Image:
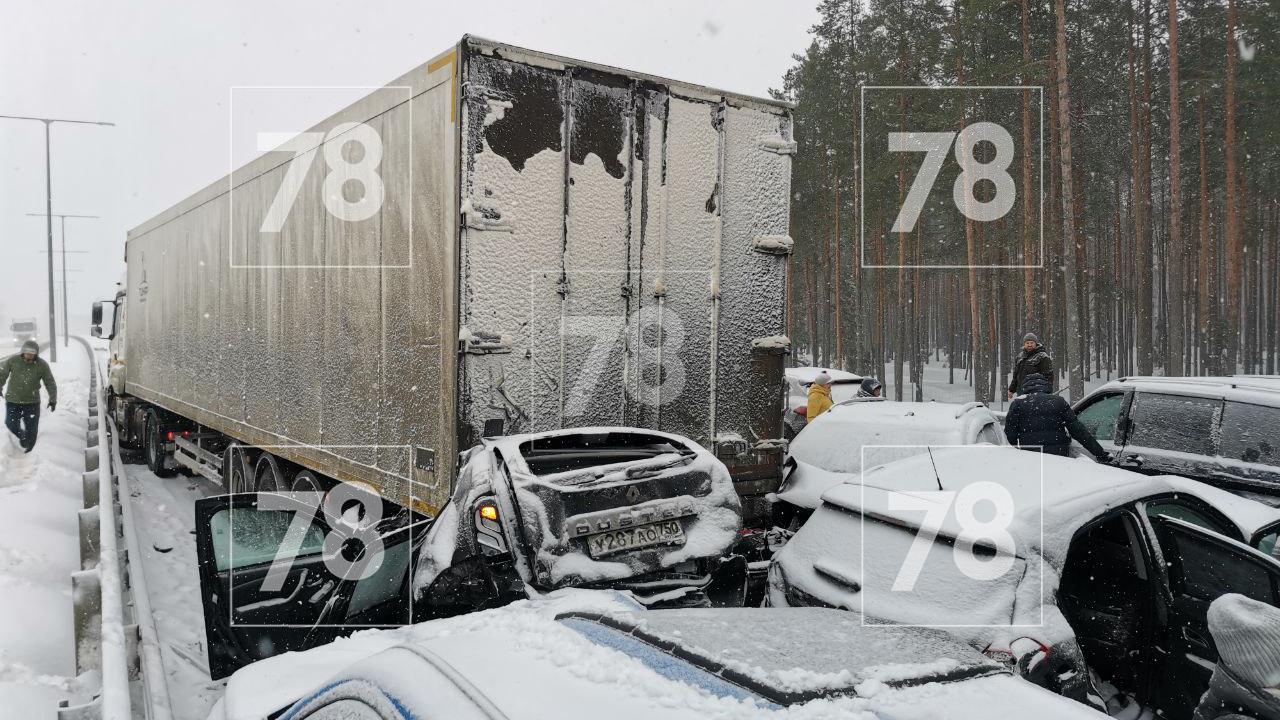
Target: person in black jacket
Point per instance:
(1032, 359)
(1039, 418)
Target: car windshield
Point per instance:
(23, 327)
(563, 453)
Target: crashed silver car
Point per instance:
(636, 510)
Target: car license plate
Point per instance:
(660, 533)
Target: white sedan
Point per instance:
(578, 655)
(1062, 565)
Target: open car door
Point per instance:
(293, 570)
(1201, 567)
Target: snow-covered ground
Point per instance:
(39, 549)
(937, 387)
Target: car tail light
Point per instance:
(170, 435)
(489, 533)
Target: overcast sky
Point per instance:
(162, 71)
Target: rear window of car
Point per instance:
(1181, 423)
(563, 453)
(1251, 433)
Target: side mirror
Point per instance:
(96, 320)
(96, 331)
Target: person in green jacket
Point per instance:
(23, 373)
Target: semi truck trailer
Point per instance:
(23, 329)
(500, 243)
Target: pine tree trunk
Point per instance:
(1028, 242)
(1204, 312)
(1176, 320)
(1144, 259)
(1074, 378)
(1234, 252)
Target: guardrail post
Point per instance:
(86, 599)
(90, 459)
(90, 534)
(89, 482)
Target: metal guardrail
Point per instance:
(115, 633)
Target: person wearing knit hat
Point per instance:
(1032, 359)
(24, 373)
(819, 396)
(1247, 676)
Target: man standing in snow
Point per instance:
(819, 396)
(1044, 420)
(24, 372)
(1032, 359)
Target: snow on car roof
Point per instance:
(806, 374)
(1262, 389)
(1056, 497)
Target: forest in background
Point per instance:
(1161, 126)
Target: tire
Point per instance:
(235, 469)
(153, 447)
(307, 481)
(267, 476)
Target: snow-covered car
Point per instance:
(1081, 567)
(1224, 431)
(832, 448)
(572, 656)
(649, 512)
(844, 386)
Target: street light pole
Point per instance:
(66, 334)
(48, 206)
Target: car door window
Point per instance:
(1100, 416)
(1179, 510)
(1251, 433)
(1203, 568)
(1174, 422)
(257, 538)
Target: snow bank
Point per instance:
(39, 549)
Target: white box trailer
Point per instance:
(541, 243)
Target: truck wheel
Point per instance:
(307, 481)
(235, 468)
(154, 445)
(267, 476)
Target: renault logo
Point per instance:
(633, 493)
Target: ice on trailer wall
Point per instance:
(753, 206)
(595, 254)
(512, 198)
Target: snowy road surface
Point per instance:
(40, 494)
(164, 518)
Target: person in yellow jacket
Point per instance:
(819, 396)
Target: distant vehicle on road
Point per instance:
(830, 450)
(1084, 567)
(1224, 431)
(576, 657)
(22, 330)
